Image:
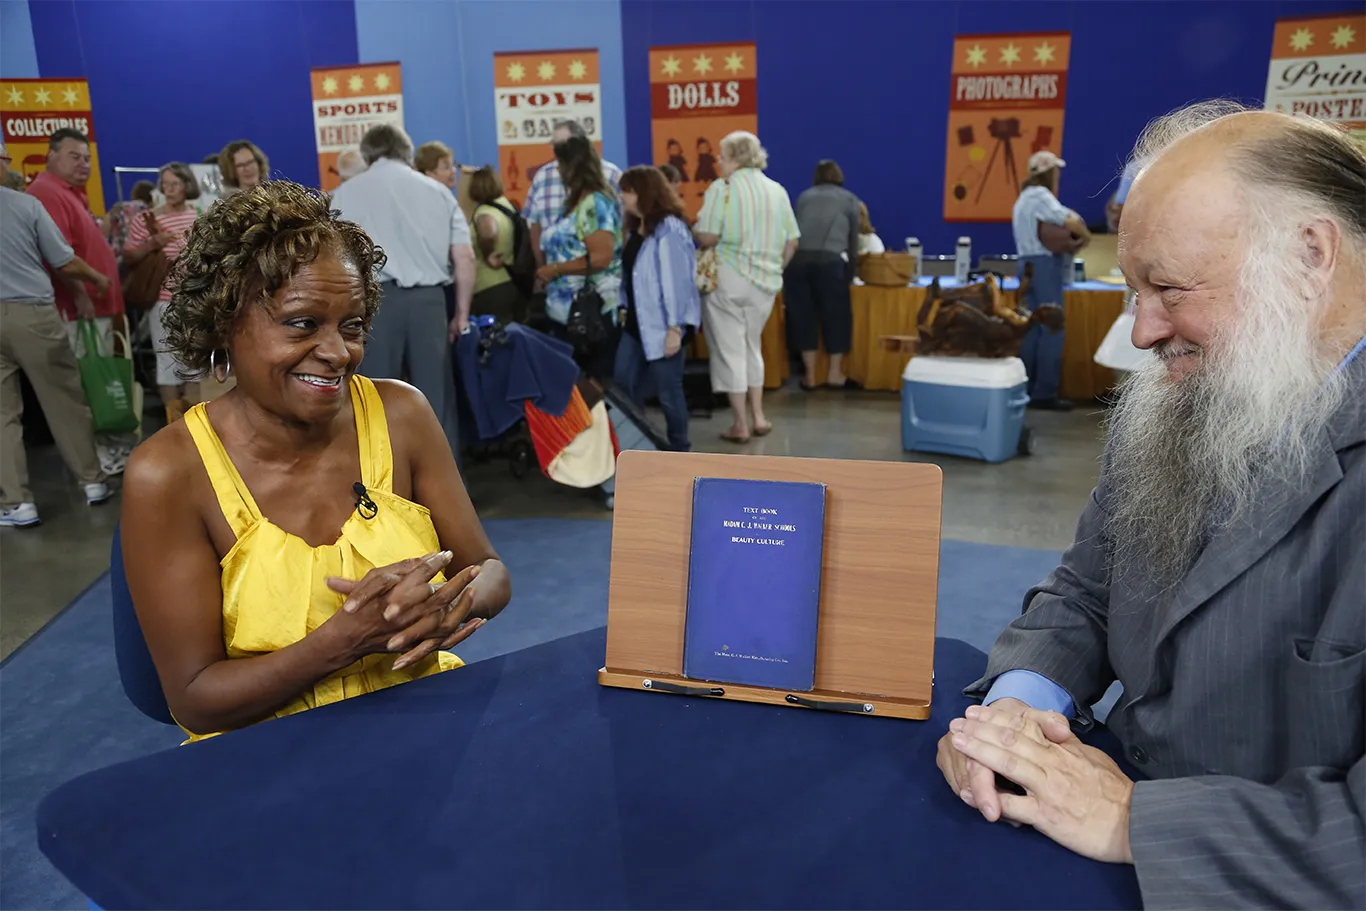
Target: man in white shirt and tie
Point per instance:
(427, 240)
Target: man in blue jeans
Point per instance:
(1047, 233)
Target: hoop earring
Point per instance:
(213, 366)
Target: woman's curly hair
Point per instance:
(243, 250)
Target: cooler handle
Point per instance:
(1021, 402)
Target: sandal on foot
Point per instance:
(763, 431)
(732, 438)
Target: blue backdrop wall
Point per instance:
(867, 84)
(18, 59)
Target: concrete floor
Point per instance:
(1026, 502)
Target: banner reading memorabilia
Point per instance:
(347, 101)
(532, 90)
(31, 110)
(698, 94)
(1318, 68)
(1007, 101)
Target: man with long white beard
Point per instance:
(1219, 569)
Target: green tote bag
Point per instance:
(108, 384)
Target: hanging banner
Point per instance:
(1318, 68)
(698, 94)
(532, 90)
(1006, 103)
(347, 101)
(31, 110)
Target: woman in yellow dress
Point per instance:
(306, 537)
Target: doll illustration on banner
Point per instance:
(706, 162)
(677, 159)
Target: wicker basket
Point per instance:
(888, 270)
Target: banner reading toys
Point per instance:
(532, 90)
(1008, 95)
(31, 110)
(347, 101)
(1318, 68)
(698, 94)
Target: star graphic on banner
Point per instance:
(1043, 53)
(69, 95)
(735, 63)
(42, 96)
(329, 85)
(546, 71)
(355, 83)
(516, 72)
(1010, 54)
(701, 64)
(1343, 35)
(577, 69)
(382, 81)
(670, 66)
(15, 96)
(977, 56)
(1301, 39)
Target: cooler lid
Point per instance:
(975, 372)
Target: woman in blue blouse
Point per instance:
(660, 305)
(584, 244)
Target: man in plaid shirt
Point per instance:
(545, 199)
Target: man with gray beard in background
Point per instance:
(1219, 569)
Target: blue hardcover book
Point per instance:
(754, 582)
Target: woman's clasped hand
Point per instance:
(397, 609)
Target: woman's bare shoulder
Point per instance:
(162, 464)
(401, 400)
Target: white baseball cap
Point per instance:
(1044, 161)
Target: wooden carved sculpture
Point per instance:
(977, 320)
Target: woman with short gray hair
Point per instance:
(748, 219)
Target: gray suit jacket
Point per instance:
(1243, 699)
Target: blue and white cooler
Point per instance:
(965, 406)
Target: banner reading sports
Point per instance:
(532, 90)
(1318, 68)
(347, 101)
(31, 110)
(1007, 102)
(698, 94)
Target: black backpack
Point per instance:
(523, 265)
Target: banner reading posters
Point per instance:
(31, 110)
(532, 90)
(347, 101)
(698, 94)
(1318, 68)
(1007, 103)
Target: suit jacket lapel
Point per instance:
(1233, 550)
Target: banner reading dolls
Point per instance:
(31, 110)
(1318, 68)
(698, 94)
(347, 101)
(532, 90)
(1007, 101)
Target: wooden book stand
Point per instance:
(879, 579)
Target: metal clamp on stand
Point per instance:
(683, 690)
(858, 708)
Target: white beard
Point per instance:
(1191, 457)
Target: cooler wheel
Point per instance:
(520, 459)
(1026, 441)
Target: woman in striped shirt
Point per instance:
(165, 228)
(748, 219)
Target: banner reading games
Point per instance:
(698, 94)
(1318, 67)
(532, 90)
(31, 110)
(1008, 95)
(347, 101)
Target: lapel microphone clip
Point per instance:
(364, 505)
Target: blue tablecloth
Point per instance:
(1012, 283)
(518, 782)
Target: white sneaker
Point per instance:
(112, 459)
(19, 516)
(97, 493)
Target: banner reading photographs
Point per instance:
(347, 101)
(1318, 68)
(698, 94)
(532, 90)
(31, 110)
(1008, 95)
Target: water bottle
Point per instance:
(962, 260)
(1078, 271)
(917, 253)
